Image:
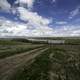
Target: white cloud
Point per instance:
(10, 28)
(67, 31)
(4, 5)
(61, 22)
(74, 12)
(28, 2)
(36, 25)
(32, 17)
(35, 20)
(53, 1)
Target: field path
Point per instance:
(9, 65)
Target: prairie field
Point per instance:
(21, 59)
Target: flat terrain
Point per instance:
(9, 64)
(30, 61)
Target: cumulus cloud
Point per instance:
(36, 25)
(67, 31)
(28, 2)
(32, 17)
(10, 28)
(4, 5)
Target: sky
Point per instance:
(39, 18)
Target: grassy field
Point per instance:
(58, 62)
(12, 47)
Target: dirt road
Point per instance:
(10, 64)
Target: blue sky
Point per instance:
(56, 14)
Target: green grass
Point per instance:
(62, 60)
(37, 70)
(63, 64)
(16, 50)
(9, 42)
(12, 47)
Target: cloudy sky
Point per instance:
(39, 17)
